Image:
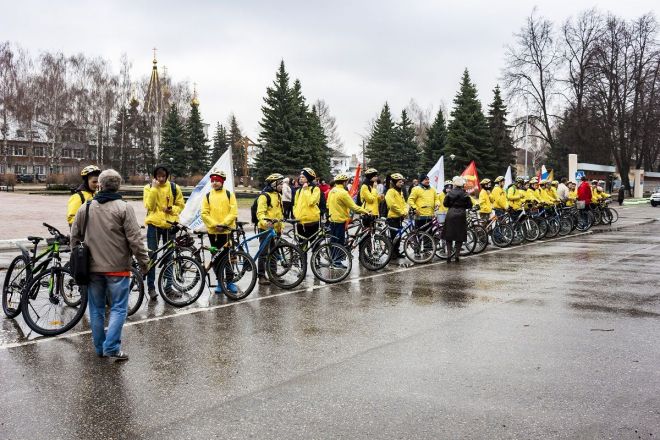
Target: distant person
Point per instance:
(287, 198)
(114, 238)
(562, 190)
(584, 191)
(455, 231)
(84, 192)
(622, 194)
(306, 203)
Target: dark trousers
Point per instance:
(453, 246)
(307, 230)
(219, 241)
(154, 237)
(421, 221)
(286, 209)
(338, 233)
(261, 262)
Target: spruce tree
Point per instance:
(278, 136)
(434, 147)
(301, 153)
(141, 155)
(196, 141)
(500, 135)
(173, 148)
(406, 155)
(120, 141)
(317, 143)
(220, 143)
(468, 137)
(237, 151)
(379, 149)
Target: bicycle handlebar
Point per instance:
(53, 230)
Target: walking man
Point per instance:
(113, 237)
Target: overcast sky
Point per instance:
(355, 55)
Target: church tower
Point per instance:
(154, 106)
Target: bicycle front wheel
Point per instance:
(286, 265)
(502, 235)
(238, 274)
(469, 244)
(481, 238)
(43, 305)
(613, 213)
(331, 262)
(181, 281)
(419, 247)
(553, 228)
(565, 225)
(17, 278)
(136, 294)
(375, 252)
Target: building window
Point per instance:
(19, 150)
(78, 154)
(20, 133)
(20, 169)
(92, 154)
(39, 151)
(40, 169)
(67, 170)
(66, 152)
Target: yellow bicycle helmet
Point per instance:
(498, 179)
(310, 171)
(519, 179)
(341, 177)
(90, 169)
(448, 182)
(484, 182)
(218, 172)
(274, 177)
(370, 171)
(397, 176)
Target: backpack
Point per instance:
(253, 208)
(173, 188)
(323, 207)
(208, 196)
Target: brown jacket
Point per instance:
(113, 235)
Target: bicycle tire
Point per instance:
(440, 247)
(598, 217)
(585, 220)
(243, 272)
(469, 244)
(518, 234)
(136, 292)
(419, 247)
(282, 259)
(481, 239)
(179, 294)
(614, 213)
(531, 230)
(323, 262)
(12, 288)
(502, 235)
(606, 217)
(553, 228)
(543, 228)
(375, 256)
(63, 284)
(565, 225)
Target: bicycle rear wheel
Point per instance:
(419, 247)
(530, 230)
(136, 294)
(565, 225)
(286, 265)
(614, 214)
(542, 226)
(238, 274)
(469, 244)
(481, 236)
(43, 306)
(331, 262)
(606, 218)
(17, 278)
(553, 228)
(375, 252)
(181, 281)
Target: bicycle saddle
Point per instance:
(35, 239)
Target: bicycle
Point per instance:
(52, 303)
(501, 234)
(26, 266)
(524, 227)
(324, 253)
(374, 248)
(285, 262)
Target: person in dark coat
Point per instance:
(455, 230)
(622, 194)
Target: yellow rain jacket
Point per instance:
(549, 196)
(485, 206)
(340, 204)
(219, 210)
(553, 192)
(530, 196)
(306, 205)
(423, 200)
(369, 197)
(498, 198)
(515, 196)
(440, 201)
(157, 199)
(75, 203)
(272, 211)
(572, 197)
(396, 205)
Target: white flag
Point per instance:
(508, 180)
(437, 174)
(191, 215)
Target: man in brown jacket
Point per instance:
(113, 237)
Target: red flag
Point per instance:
(471, 178)
(356, 182)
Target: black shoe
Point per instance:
(448, 260)
(153, 296)
(264, 281)
(117, 357)
(456, 258)
(101, 355)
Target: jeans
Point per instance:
(219, 241)
(154, 237)
(261, 261)
(338, 235)
(116, 289)
(421, 221)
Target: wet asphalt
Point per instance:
(548, 340)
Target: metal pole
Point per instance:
(526, 131)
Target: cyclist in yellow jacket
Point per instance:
(424, 200)
(572, 194)
(396, 204)
(84, 193)
(530, 191)
(485, 204)
(498, 197)
(369, 197)
(306, 204)
(269, 207)
(515, 195)
(340, 205)
(219, 213)
(163, 200)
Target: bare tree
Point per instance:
(329, 124)
(422, 117)
(7, 95)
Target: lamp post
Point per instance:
(453, 165)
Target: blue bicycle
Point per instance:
(283, 263)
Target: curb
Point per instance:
(618, 228)
(6, 245)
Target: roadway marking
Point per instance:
(187, 312)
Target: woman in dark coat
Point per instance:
(622, 194)
(455, 230)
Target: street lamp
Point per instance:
(453, 165)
